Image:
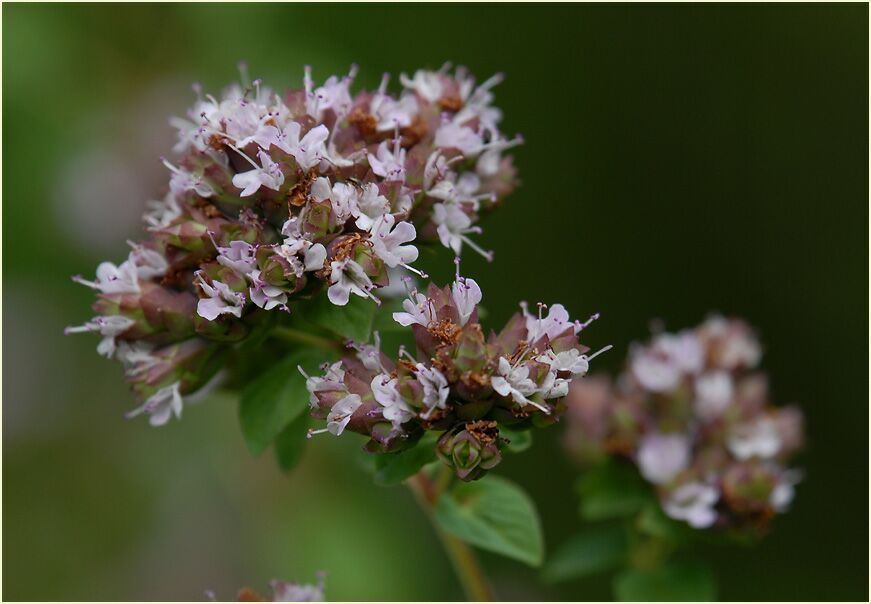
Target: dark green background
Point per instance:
(679, 159)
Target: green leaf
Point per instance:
(653, 521)
(275, 398)
(676, 581)
(352, 321)
(493, 514)
(393, 468)
(613, 489)
(597, 549)
(383, 321)
(519, 440)
(290, 442)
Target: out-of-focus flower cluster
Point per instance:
(277, 197)
(462, 382)
(283, 591)
(693, 414)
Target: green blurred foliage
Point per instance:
(679, 159)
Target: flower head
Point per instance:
(697, 423)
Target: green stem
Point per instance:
(462, 557)
(300, 337)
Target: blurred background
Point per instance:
(679, 160)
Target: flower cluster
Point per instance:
(276, 197)
(461, 383)
(282, 591)
(693, 415)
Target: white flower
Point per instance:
(435, 388)
(136, 358)
(348, 277)
(693, 503)
(555, 324)
(396, 410)
(451, 135)
(736, 344)
(466, 295)
(489, 161)
(307, 152)
(553, 386)
(568, 360)
(314, 257)
(239, 256)
(419, 310)
(268, 175)
(453, 224)
(183, 181)
(427, 84)
(435, 169)
(784, 491)
(333, 379)
(714, 393)
(111, 279)
(654, 372)
(161, 405)
(342, 196)
(661, 457)
(391, 113)
(389, 165)
(685, 350)
(459, 189)
(387, 241)
(282, 591)
(661, 366)
(264, 295)
(109, 327)
(759, 438)
(341, 413)
(370, 206)
(515, 382)
(220, 300)
(160, 214)
(334, 94)
(149, 263)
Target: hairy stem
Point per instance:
(462, 557)
(289, 334)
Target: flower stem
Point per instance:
(300, 337)
(462, 557)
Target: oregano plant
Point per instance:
(280, 264)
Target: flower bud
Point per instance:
(471, 450)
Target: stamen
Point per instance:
(539, 406)
(243, 74)
(418, 272)
(404, 353)
(382, 88)
(584, 325)
(83, 281)
(487, 255)
(396, 142)
(600, 351)
(311, 432)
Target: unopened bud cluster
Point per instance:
(274, 198)
(463, 383)
(693, 414)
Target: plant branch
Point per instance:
(462, 557)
